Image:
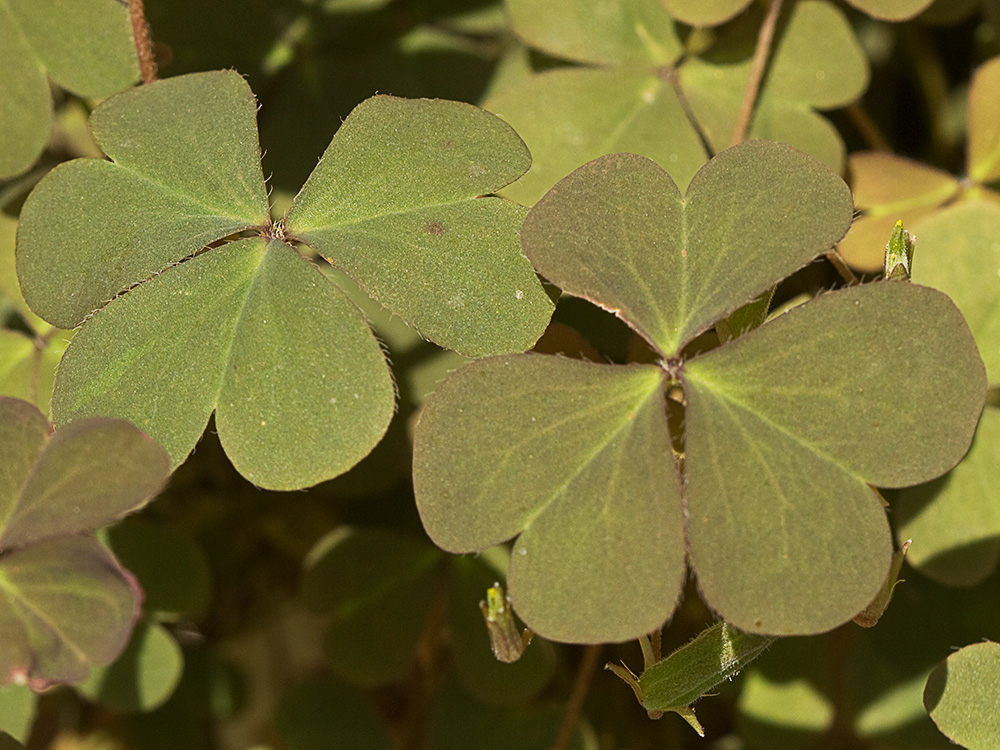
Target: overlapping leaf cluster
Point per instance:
(955, 520)
(65, 602)
(785, 427)
(640, 89)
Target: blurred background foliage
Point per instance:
(325, 618)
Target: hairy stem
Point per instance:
(143, 48)
(757, 68)
(583, 679)
(840, 265)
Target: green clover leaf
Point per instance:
(575, 458)
(183, 313)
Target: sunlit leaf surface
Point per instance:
(954, 521)
(889, 188)
(961, 696)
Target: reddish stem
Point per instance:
(583, 679)
(143, 48)
(757, 67)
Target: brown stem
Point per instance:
(143, 48)
(867, 127)
(757, 67)
(575, 704)
(670, 76)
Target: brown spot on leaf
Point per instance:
(435, 227)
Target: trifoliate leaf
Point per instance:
(65, 602)
(817, 63)
(785, 426)
(569, 116)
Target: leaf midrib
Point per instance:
(16, 599)
(303, 234)
(729, 400)
(584, 463)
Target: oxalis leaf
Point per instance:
(84, 46)
(817, 63)
(621, 99)
(785, 426)
(247, 329)
(65, 602)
